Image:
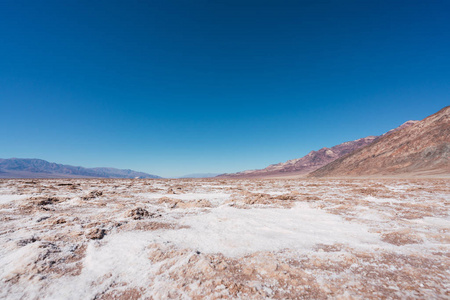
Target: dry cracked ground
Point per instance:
(247, 239)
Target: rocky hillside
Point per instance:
(313, 160)
(38, 168)
(420, 149)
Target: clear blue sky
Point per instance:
(177, 87)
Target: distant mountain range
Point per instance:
(38, 168)
(313, 160)
(421, 149)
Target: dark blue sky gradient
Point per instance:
(176, 87)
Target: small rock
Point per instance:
(46, 201)
(95, 234)
(25, 242)
(42, 219)
(92, 195)
(59, 221)
(221, 266)
(138, 213)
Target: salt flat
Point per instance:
(211, 238)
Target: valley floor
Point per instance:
(213, 238)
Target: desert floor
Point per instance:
(248, 239)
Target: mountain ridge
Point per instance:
(422, 149)
(39, 168)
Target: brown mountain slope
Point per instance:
(312, 161)
(420, 149)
